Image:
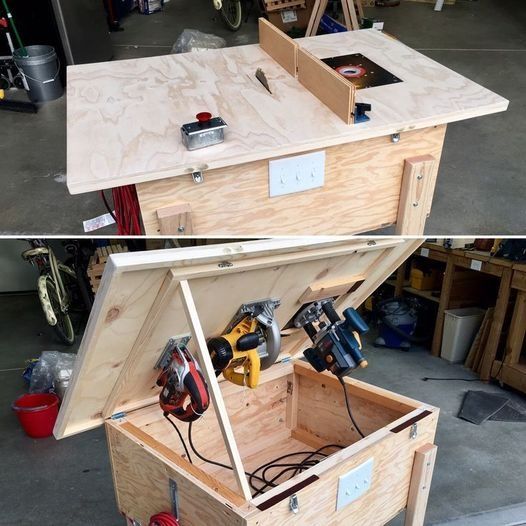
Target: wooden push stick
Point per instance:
(279, 46)
(415, 194)
(215, 391)
(420, 485)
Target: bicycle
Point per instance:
(231, 13)
(60, 285)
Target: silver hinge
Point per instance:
(198, 177)
(413, 431)
(293, 504)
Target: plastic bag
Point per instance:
(193, 40)
(52, 368)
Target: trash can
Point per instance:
(41, 68)
(460, 329)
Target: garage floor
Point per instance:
(68, 483)
(481, 185)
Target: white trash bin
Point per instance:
(460, 329)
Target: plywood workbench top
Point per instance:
(124, 117)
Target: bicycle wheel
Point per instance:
(64, 327)
(231, 14)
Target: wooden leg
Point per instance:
(317, 12)
(445, 294)
(400, 280)
(490, 352)
(415, 195)
(213, 386)
(420, 485)
(359, 6)
(349, 14)
(517, 330)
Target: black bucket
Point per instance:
(41, 69)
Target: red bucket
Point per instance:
(37, 413)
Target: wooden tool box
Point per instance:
(124, 120)
(146, 298)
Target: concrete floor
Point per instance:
(481, 185)
(68, 482)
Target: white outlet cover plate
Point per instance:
(296, 174)
(354, 484)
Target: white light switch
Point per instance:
(296, 174)
(354, 484)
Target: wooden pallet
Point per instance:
(98, 262)
(280, 5)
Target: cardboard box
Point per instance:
(292, 19)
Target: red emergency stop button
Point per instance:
(204, 116)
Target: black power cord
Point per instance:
(165, 414)
(295, 468)
(349, 409)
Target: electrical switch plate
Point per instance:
(296, 174)
(354, 484)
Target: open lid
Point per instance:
(138, 307)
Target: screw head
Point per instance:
(415, 204)
(180, 228)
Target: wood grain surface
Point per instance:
(132, 309)
(124, 117)
(361, 192)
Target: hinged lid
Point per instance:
(138, 308)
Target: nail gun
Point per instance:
(181, 379)
(336, 344)
(252, 341)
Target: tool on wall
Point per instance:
(252, 341)
(181, 381)
(337, 344)
(206, 131)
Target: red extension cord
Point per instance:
(127, 211)
(163, 519)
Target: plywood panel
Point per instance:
(393, 461)
(221, 278)
(209, 294)
(361, 190)
(142, 486)
(124, 117)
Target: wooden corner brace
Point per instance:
(416, 193)
(420, 485)
(215, 391)
(175, 220)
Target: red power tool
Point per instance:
(182, 380)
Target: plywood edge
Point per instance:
(206, 482)
(279, 46)
(360, 389)
(326, 85)
(193, 262)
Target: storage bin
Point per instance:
(460, 328)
